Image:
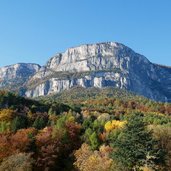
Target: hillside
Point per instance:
(96, 129)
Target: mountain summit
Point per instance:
(100, 65)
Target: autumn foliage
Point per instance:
(89, 133)
(114, 124)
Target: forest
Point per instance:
(84, 130)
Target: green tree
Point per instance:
(4, 126)
(94, 141)
(51, 111)
(134, 146)
(39, 123)
(87, 134)
(18, 122)
(88, 122)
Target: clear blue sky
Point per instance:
(34, 30)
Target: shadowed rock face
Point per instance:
(94, 65)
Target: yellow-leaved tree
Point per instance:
(7, 115)
(114, 124)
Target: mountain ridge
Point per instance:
(106, 64)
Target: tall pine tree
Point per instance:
(135, 147)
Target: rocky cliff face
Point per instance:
(100, 65)
(13, 77)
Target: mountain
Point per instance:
(98, 65)
(13, 77)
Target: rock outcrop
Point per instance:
(13, 77)
(96, 65)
